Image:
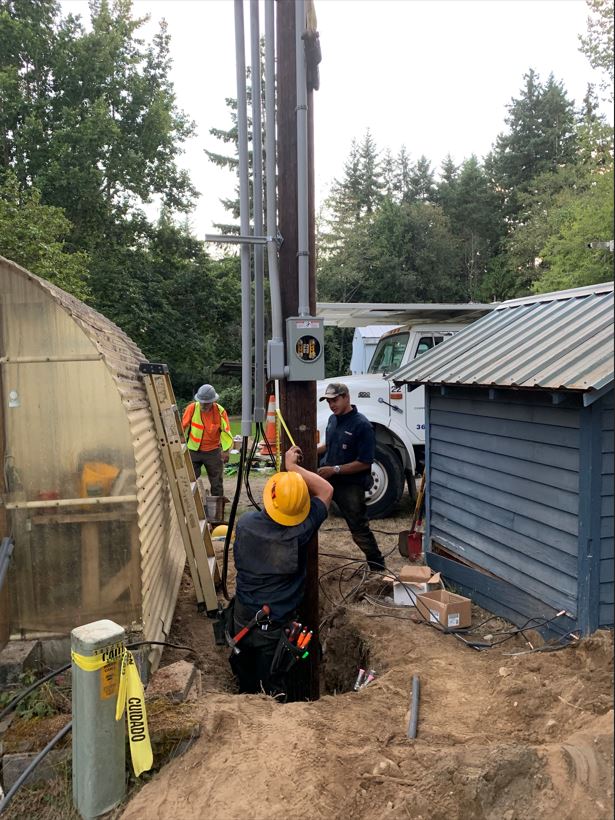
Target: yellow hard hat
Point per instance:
(287, 499)
(219, 531)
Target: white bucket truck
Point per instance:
(397, 414)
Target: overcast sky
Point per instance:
(434, 75)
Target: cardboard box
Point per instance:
(413, 581)
(417, 574)
(445, 608)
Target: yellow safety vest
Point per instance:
(195, 434)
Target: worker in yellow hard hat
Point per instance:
(270, 552)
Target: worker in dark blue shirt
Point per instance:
(349, 450)
(270, 552)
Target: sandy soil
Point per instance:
(500, 737)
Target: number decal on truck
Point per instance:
(420, 426)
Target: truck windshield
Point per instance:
(389, 353)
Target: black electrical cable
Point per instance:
(344, 598)
(460, 634)
(248, 465)
(65, 729)
(34, 763)
(267, 445)
(161, 643)
(231, 520)
(18, 698)
(571, 637)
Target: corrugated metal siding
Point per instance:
(558, 344)
(162, 554)
(606, 516)
(504, 481)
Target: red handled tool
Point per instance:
(261, 617)
(296, 629)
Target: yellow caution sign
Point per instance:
(130, 698)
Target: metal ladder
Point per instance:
(183, 485)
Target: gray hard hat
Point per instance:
(206, 394)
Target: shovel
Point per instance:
(410, 541)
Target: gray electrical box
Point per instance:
(305, 339)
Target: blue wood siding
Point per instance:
(606, 512)
(504, 487)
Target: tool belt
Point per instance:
(286, 655)
(242, 615)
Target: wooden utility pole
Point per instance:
(298, 399)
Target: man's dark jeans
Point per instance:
(214, 467)
(350, 498)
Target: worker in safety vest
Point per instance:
(208, 432)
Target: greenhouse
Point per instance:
(84, 492)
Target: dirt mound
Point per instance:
(500, 735)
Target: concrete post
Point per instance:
(99, 746)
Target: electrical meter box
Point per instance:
(305, 337)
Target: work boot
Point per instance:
(377, 564)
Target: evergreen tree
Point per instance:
(412, 253)
(370, 175)
(474, 210)
(559, 199)
(422, 185)
(402, 177)
(353, 199)
(446, 189)
(540, 138)
(388, 174)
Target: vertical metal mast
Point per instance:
(244, 221)
(303, 251)
(257, 206)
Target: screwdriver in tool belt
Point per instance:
(296, 627)
(305, 640)
(302, 637)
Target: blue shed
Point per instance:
(519, 458)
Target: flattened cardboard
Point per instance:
(417, 574)
(445, 608)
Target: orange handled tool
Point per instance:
(305, 640)
(260, 616)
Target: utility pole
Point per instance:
(298, 399)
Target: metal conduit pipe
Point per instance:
(270, 169)
(303, 250)
(244, 221)
(414, 707)
(6, 550)
(257, 210)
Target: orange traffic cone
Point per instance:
(268, 446)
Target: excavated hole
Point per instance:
(344, 652)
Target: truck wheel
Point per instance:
(388, 484)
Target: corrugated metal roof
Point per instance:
(356, 314)
(555, 341)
